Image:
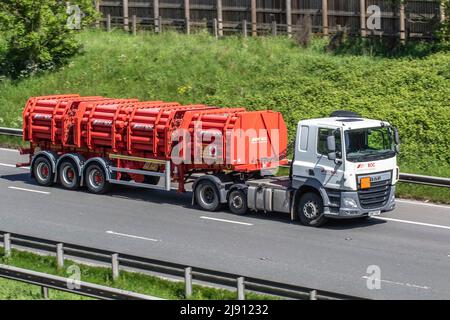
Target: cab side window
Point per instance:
(322, 141)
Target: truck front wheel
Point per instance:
(237, 202)
(207, 195)
(310, 210)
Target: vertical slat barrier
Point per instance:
(219, 18)
(362, 10)
(325, 17)
(60, 255)
(188, 282)
(402, 22)
(134, 24)
(97, 9)
(253, 9)
(156, 15)
(108, 22)
(313, 295)
(7, 244)
(241, 288)
(187, 16)
(125, 15)
(115, 266)
(289, 18)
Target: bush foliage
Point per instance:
(36, 35)
(262, 73)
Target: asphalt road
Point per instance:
(411, 245)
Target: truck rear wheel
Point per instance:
(68, 175)
(207, 195)
(237, 202)
(42, 171)
(310, 210)
(96, 180)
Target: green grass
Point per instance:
(131, 281)
(263, 73)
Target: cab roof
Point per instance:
(345, 122)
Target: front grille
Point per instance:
(376, 196)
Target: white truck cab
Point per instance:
(344, 166)
(351, 161)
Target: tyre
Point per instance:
(96, 180)
(207, 195)
(42, 171)
(237, 202)
(310, 210)
(68, 175)
(154, 180)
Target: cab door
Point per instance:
(329, 172)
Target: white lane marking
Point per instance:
(10, 150)
(29, 190)
(422, 203)
(229, 221)
(131, 236)
(402, 284)
(414, 222)
(13, 166)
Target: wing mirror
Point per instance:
(396, 140)
(331, 143)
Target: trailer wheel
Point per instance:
(42, 171)
(237, 202)
(207, 196)
(68, 175)
(95, 179)
(310, 210)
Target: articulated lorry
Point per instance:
(344, 166)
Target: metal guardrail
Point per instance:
(48, 281)
(11, 132)
(189, 273)
(404, 177)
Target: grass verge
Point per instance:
(131, 281)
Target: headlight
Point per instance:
(349, 203)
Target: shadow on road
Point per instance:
(185, 199)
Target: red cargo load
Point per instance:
(230, 138)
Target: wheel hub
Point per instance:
(310, 210)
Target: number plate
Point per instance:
(374, 213)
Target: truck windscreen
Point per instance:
(369, 144)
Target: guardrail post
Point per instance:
(241, 288)
(60, 255)
(244, 28)
(253, 14)
(97, 9)
(188, 282)
(215, 32)
(312, 295)
(115, 265)
(219, 18)
(7, 244)
(274, 28)
(187, 16)
(44, 293)
(160, 25)
(125, 15)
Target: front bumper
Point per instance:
(344, 212)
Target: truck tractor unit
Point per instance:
(344, 166)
